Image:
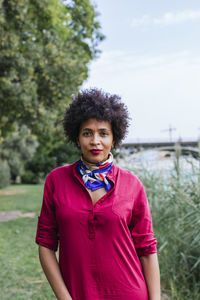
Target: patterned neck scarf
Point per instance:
(94, 175)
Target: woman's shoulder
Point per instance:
(128, 176)
(65, 170)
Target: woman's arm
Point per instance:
(152, 275)
(51, 269)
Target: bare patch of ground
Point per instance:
(11, 192)
(14, 214)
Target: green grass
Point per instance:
(26, 198)
(21, 276)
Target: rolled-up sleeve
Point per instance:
(141, 225)
(47, 228)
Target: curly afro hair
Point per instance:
(94, 103)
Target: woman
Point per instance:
(97, 212)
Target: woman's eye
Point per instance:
(86, 133)
(104, 133)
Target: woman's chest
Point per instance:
(80, 205)
(97, 195)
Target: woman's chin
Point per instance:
(93, 159)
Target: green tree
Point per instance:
(45, 50)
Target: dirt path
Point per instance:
(11, 192)
(14, 214)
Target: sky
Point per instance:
(151, 58)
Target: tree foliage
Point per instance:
(45, 49)
(52, 153)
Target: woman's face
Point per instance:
(95, 139)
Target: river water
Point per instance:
(157, 161)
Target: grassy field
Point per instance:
(21, 277)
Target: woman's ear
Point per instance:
(77, 142)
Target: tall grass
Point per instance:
(175, 206)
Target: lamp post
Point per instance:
(170, 130)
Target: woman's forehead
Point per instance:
(96, 124)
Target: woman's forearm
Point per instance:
(152, 275)
(51, 269)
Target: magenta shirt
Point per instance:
(99, 245)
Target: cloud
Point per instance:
(169, 18)
(179, 17)
(144, 20)
(120, 61)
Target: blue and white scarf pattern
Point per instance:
(94, 175)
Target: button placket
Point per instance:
(91, 225)
(91, 216)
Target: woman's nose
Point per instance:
(95, 139)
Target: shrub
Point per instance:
(4, 174)
(43, 162)
(18, 148)
(31, 178)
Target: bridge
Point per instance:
(187, 147)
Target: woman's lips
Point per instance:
(95, 151)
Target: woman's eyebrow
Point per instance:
(88, 129)
(106, 129)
